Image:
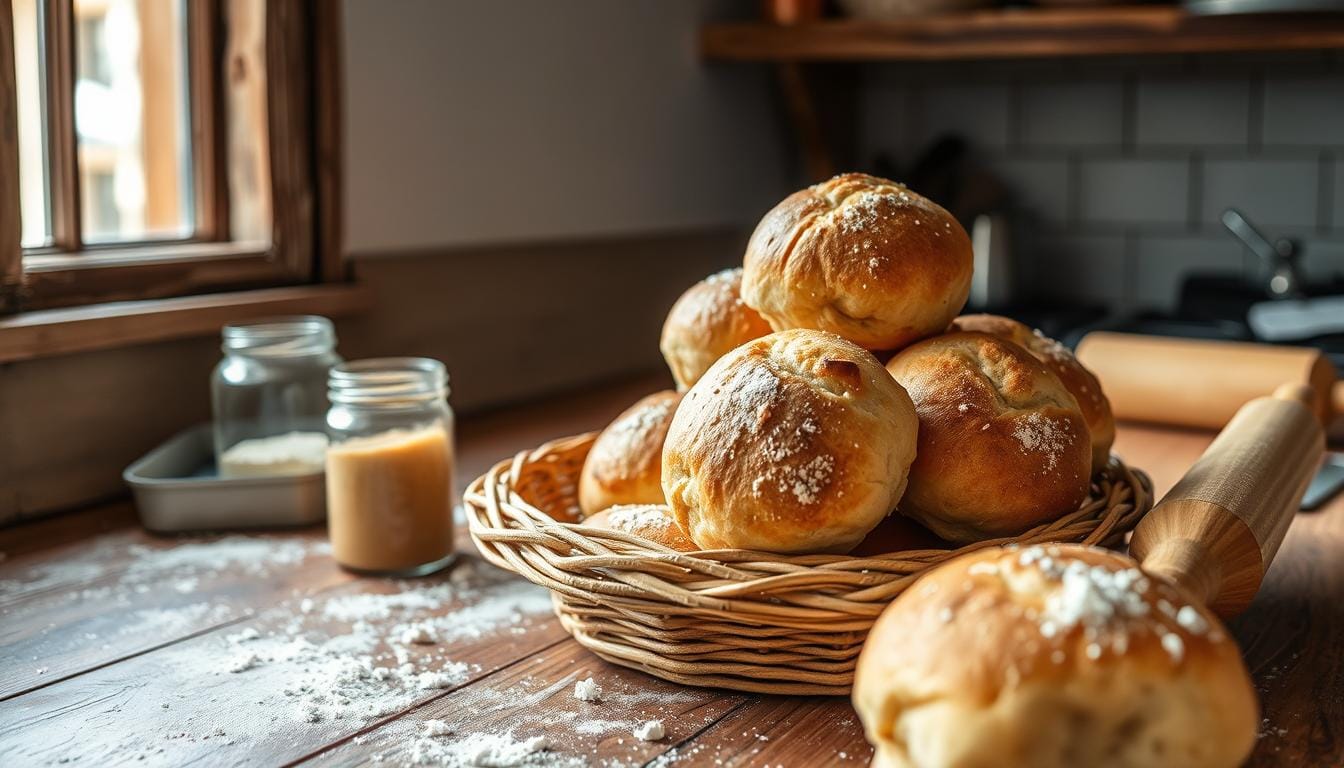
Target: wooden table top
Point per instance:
(118, 646)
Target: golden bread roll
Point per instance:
(624, 466)
(1002, 444)
(647, 521)
(1055, 656)
(795, 442)
(862, 257)
(707, 321)
(1080, 382)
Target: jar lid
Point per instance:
(285, 336)
(387, 381)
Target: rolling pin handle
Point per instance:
(1219, 527)
(1296, 392)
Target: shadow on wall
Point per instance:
(520, 321)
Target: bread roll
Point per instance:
(648, 521)
(1080, 382)
(1002, 444)
(795, 442)
(707, 321)
(1051, 657)
(862, 257)
(624, 465)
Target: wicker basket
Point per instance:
(749, 621)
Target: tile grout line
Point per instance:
(1325, 193)
(1194, 216)
(1255, 114)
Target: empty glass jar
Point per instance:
(272, 380)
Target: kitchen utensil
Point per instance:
(1296, 320)
(176, 488)
(992, 277)
(1280, 259)
(1201, 383)
(1217, 530)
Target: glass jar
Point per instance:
(390, 466)
(272, 381)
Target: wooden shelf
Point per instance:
(1023, 33)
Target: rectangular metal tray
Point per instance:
(177, 488)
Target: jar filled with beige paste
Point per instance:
(390, 466)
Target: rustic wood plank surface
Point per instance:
(119, 646)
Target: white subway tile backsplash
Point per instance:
(1323, 260)
(1195, 113)
(1073, 114)
(1130, 191)
(1124, 165)
(1162, 262)
(978, 113)
(1082, 269)
(1304, 111)
(1271, 193)
(1039, 186)
(1337, 196)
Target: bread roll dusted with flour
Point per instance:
(647, 521)
(795, 442)
(624, 466)
(707, 321)
(1052, 656)
(1002, 444)
(1080, 382)
(862, 257)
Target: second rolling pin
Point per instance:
(1199, 383)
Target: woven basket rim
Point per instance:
(733, 618)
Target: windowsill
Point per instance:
(48, 332)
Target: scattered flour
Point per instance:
(436, 728)
(596, 727)
(1110, 604)
(243, 662)
(651, 730)
(248, 633)
(419, 634)
(487, 750)
(588, 690)
(1037, 433)
(628, 517)
(864, 210)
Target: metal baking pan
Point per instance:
(177, 488)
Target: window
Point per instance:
(164, 147)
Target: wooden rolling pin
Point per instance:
(1197, 383)
(1218, 529)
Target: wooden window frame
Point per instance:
(300, 65)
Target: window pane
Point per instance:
(33, 181)
(133, 119)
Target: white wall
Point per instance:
(471, 122)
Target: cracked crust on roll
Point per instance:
(647, 521)
(709, 320)
(1052, 656)
(1080, 382)
(1003, 446)
(797, 442)
(624, 466)
(862, 257)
